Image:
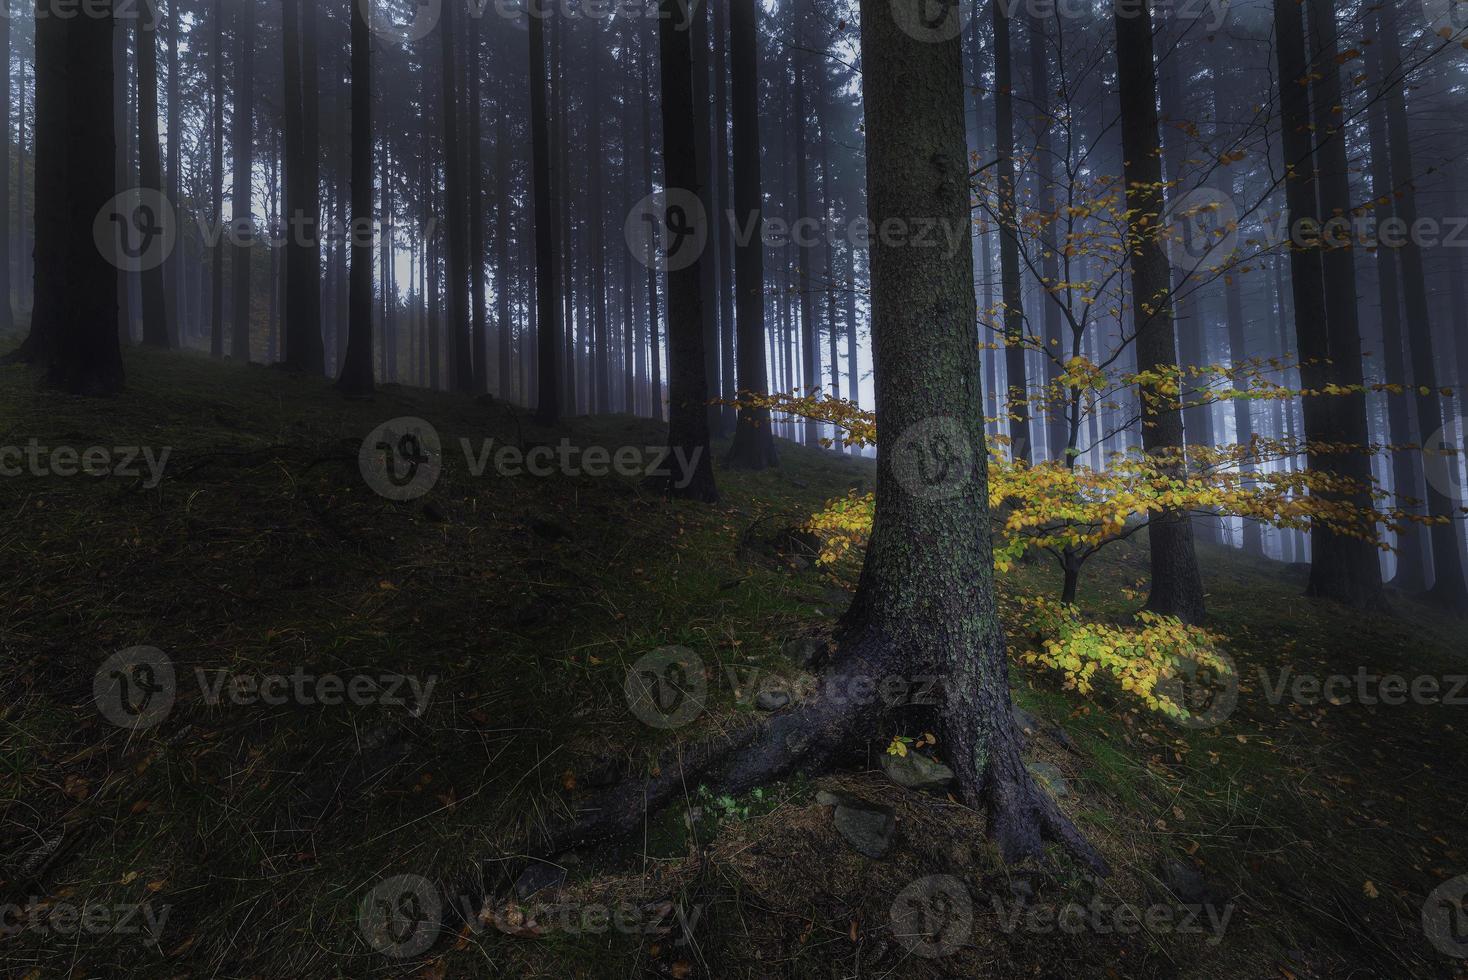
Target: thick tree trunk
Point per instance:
(688, 391)
(1449, 587)
(356, 375)
(1341, 567)
(82, 355)
(1177, 588)
(303, 348)
(754, 442)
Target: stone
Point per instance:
(772, 700)
(867, 828)
(1026, 722)
(807, 651)
(1051, 778)
(916, 771)
(537, 878)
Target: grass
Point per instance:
(261, 827)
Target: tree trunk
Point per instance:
(480, 315)
(688, 391)
(150, 178)
(303, 348)
(754, 442)
(1177, 588)
(243, 166)
(457, 292)
(1016, 403)
(1449, 587)
(547, 326)
(356, 375)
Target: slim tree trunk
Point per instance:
(150, 178)
(303, 348)
(477, 289)
(457, 293)
(547, 324)
(243, 164)
(1177, 588)
(1016, 404)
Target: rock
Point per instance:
(1026, 722)
(1051, 778)
(1186, 883)
(537, 878)
(826, 797)
(916, 771)
(807, 651)
(867, 828)
(1022, 890)
(772, 700)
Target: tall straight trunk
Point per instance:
(754, 442)
(173, 265)
(243, 164)
(216, 184)
(477, 288)
(688, 416)
(810, 368)
(1177, 588)
(460, 355)
(155, 311)
(81, 351)
(1341, 567)
(7, 309)
(601, 377)
(303, 348)
(503, 224)
(356, 375)
(1449, 587)
(706, 189)
(926, 599)
(654, 304)
(1407, 484)
(723, 231)
(547, 324)
(121, 106)
(1057, 423)
(1016, 405)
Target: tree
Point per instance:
(216, 182)
(1017, 402)
(1177, 588)
(542, 176)
(304, 351)
(356, 375)
(7, 311)
(243, 165)
(688, 385)
(754, 440)
(81, 352)
(477, 256)
(155, 308)
(460, 354)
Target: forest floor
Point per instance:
(240, 838)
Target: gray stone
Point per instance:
(916, 771)
(772, 700)
(867, 828)
(1026, 722)
(806, 651)
(537, 878)
(1051, 778)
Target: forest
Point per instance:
(733, 489)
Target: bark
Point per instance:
(688, 393)
(150, 178)
(479, 314)
(1340, 568)
(754, 442)
(1057, 425)
(356, 374)
(810, 368)
(1016, 403)
(723, 231)
(547, 325)
(457, 293)
(243, 164)
(654, 304)
(216, 185)
(1177, 588)
(303, 348)
(1449, 587)
(7, 311)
